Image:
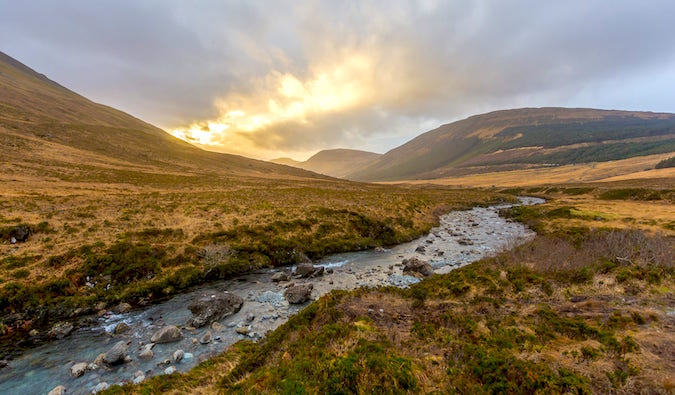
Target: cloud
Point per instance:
(268, 79)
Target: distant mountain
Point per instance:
(524, 138)
(48, 130)
(334, 162)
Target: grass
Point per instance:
(547, 317)
(142, 246)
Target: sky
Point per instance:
(268, 79)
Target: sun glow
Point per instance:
(283, 98)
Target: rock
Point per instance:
(465, 242)
(164, 362)
(421, 249)
(304, 269)
(379, 250)
(99, 359)
(416, 266)
(100, 306)
(177, 356)
(206, 338)
(298, 293)
(250, 317)
(170, 370)
(101, 387)
(280, 276)
(318, 272)
(60, 390)
(146, 354)
(78, 369)
(116, 354)
(123, 308)
(211, 307)
(20, 233)
(168, 334)
(242, 330)
(329, 270)
(195, 341)
(60, 330)
(92, 366)
(12, 240)
(121, 328)
(33, 333)
(139, 376)
(217, 326)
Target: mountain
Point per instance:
(334, 162)
(524, 138)
(48, 131)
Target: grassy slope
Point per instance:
(119, 201)
(581, 309)
(521, 138)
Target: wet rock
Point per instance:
(213, 306)
(59, 390)
(164, 362)
(280, 276)
(101, 387)
(242, 330)
(217, 326)
(299, 293)
(330, 270)
(116, 354)
(206, 338)
(99, 359)
(250, 317)
(60, 330)
(20, 233)
(177, 356)
(123, 308)
(305, 270)
(146, 354)
(92, 366)
(139, 377)
(318, 272)
(78, 369)
(121, 328)
(168, 334)
(421, 249)
(465, 241)
(170, 370)
(416, 266)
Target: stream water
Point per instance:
(461, 238)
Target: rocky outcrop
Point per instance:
(298, 294)
(117, 354)
(19, 233)
(416, 267)
(168, 334)
(213, 306)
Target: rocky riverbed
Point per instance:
(129, 346)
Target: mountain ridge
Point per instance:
(521, 138)
(338, 162)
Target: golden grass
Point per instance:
(620, 170)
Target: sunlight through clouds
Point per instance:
(283, 98)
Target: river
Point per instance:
(461, 238)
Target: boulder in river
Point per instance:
(280, 276)
(168, 334)
(121, 328)
(299, 293)
(116, 354)
(177, 356)
(78, 369)
(206, 338)
(146, 354)
(170, 370)
(59, 390)
(417, 267)
(213, 306)
(305, 270)
(61, 330)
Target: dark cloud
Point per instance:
(177, 63)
